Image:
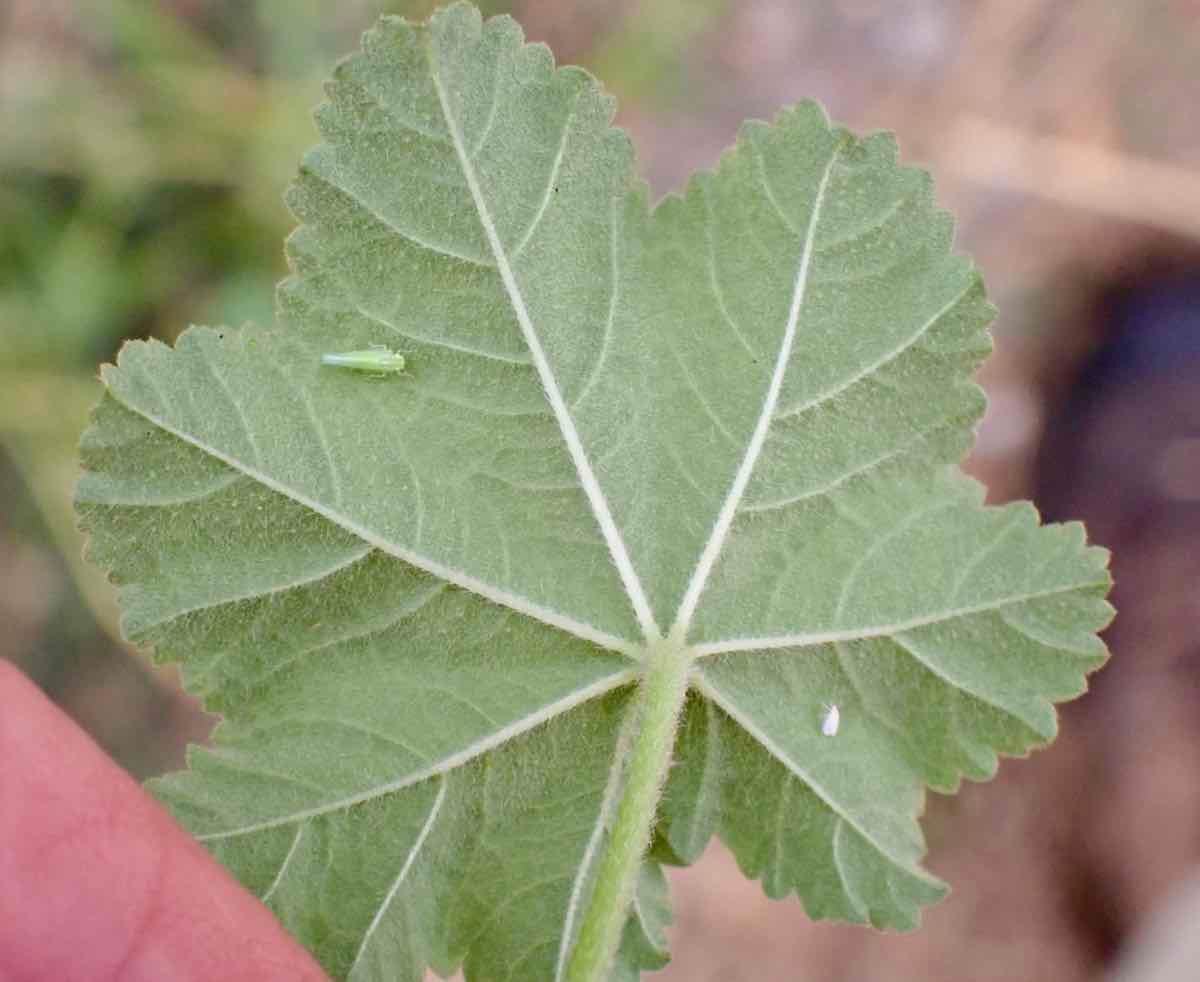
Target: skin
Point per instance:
(98, 883)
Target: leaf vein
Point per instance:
(698, 393)
(773, 504)
(869, 370)
(770, 642)
(875, 547)
(464, 349)
(447, 764)
(715, 283)
(765, 181)
(969, 567)
(724, 522)
(904, 642)
(287, 860)
(411, 858)
(233, 401)
(747, 723)
(613, 296)
(516, 602)
(486, 132)
(318, 429)
(406, 234)
(587, 478)
(276, 588)
(551, 181)
(839, 864)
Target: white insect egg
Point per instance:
(831, 720)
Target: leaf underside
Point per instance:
(420, 603)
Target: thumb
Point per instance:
(98, 882)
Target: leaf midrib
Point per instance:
(457, 577)
(729, 508)
(775, 642)
(636, 594)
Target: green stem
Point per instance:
(660, 700)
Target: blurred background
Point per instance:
(144, 149)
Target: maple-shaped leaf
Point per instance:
(656, 492)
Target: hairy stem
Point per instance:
(659, 702)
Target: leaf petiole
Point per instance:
(659, 703)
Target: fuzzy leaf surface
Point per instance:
(421, 603)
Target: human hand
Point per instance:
(98, 883)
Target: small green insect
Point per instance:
(377, 361)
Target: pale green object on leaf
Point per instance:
(709, 448)
(376, 360)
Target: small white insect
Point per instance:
(831, 720)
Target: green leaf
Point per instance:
(700, 456)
